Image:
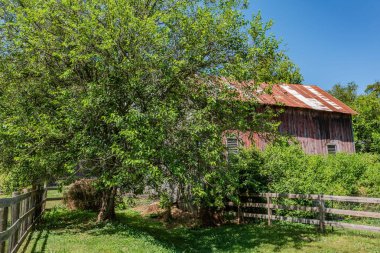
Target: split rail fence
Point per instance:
(319, 207)
(18, 215)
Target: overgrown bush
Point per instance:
(287, 169)
(248, 167)
(82, 195)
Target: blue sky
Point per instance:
(332, 41)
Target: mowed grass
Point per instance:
(54, 203)
(77, 231)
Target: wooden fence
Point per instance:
(18, 215)
(319, 207)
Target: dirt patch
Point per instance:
(149, 209)
(180, 218)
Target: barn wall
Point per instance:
(313, 129)
(316, 129)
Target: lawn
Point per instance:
(54, 203)
(64, 231)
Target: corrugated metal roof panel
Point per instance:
(290, 95)
(303, 96)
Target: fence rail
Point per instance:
(320, 208)
(18, 215)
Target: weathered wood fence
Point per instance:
(318, 207)
(18, 215)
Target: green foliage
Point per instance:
(373, 89)
(287, 169)
(262, 59)
(367, 123)
(121, 91)
(345, 93)
(248, 168)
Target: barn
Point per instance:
(321, 123)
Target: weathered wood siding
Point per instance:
(313, 129)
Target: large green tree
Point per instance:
(373, 89)
(367, 123)
(122, 90)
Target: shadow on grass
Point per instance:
(41, 237)
(225, 238)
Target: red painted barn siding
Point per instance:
(313, 129)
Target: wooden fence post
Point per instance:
(24, 210)
(269, 203)
(238, 214)
(15, 209)
(28, 221)
(3, 225)
(33, 202)
(44, 197)
(37, 202)
(321, 205)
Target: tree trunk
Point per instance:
(210, 216)
(107, 210)
(168, 214)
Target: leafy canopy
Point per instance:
(122, 90)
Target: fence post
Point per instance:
(37, 202)
(321, 205)
(24, 210)
(27, 208)
(3, 225)
(15, 216)
(44, 196)
(269, 203)
(33, 202)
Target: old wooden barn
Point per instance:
(320, 122)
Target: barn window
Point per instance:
(232, 145)
(331, 148)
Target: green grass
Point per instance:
(64, 231)
(54, 194)
(54, 203)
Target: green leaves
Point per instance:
(128, 91)
(262, 59)
(287, 169)
(367, 123)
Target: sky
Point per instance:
(331, 41)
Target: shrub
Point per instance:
(290, 170)
(287, 169)
(82, 195)
(248, 167)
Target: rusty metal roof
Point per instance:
(302, 96)
(290, 95)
